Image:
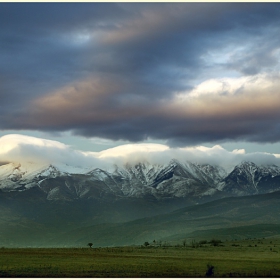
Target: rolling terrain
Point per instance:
(68, 206)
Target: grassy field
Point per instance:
(243, 258)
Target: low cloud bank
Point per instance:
(19, 149)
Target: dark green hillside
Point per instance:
(231, 233)
(227, 214)
(27, 218)
(29, 221)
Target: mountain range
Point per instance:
(53, 205)
(176, 179)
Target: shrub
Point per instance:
(210, 270)
(215, 242)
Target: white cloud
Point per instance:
(129, 150)
(239, 151)
(162, 154)
(253, 84)
(19, 149)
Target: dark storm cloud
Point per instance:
(38, 47)
(116, 70)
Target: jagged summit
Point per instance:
(175, 179)
(249, 178)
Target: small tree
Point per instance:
(146, 243)
(194, 244)
(90, 244)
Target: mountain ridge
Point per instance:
(175, 179)
(49, 206)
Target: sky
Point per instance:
(94, 76)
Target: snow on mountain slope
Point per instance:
(175, 179)
(16, 175)
(19, 170)
(249, 178)
(12, 175)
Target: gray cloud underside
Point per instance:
(113, 70)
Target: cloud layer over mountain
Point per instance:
(186, 73)
(22, 149)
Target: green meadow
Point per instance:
(232, 258)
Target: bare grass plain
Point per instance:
(231, 258)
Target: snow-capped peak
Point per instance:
(177, 178)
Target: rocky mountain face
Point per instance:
(60, 205)
(142, 180)
(248, 178)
